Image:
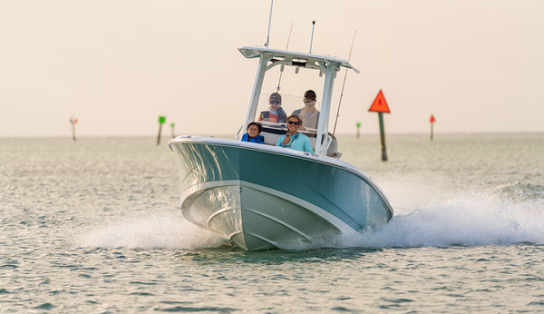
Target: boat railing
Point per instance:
(328, 141)
(238, 134)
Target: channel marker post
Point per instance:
(380, 106)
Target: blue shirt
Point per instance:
(298, 141)
(257, 139)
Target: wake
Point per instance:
(471, 218)
(424, 216)
(168, 232)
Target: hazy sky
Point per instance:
(477, 66)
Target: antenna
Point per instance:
(343, 85)
(312, 39)
(282, 66)
(269, 22)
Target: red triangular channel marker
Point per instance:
(432, 119)
(379, 104)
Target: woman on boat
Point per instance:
(294, 139)
(275, 112)
(309, 113)
(253, 131)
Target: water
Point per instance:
(93, 227)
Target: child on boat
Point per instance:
(253, 131)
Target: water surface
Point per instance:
(94, 226)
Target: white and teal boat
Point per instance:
(227, 187)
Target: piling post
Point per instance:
(358, 129)
(73, 122)
(382, 137)
(161, 122)
(380, 106)
(432, 124)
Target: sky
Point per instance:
(116, 66)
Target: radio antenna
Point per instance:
(282, 67)
(312, 39)
(269, 22)
(343, 85)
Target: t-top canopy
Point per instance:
(300, 59)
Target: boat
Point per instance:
(227, 187)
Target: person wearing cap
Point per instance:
(275, 112)
(309, 113)
(253, 131)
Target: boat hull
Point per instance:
(263, 197)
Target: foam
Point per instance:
(170, 232)
(467, 219)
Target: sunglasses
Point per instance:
(293, 122)
(275, 102)
(309, 99)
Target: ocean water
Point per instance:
(94, 226)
